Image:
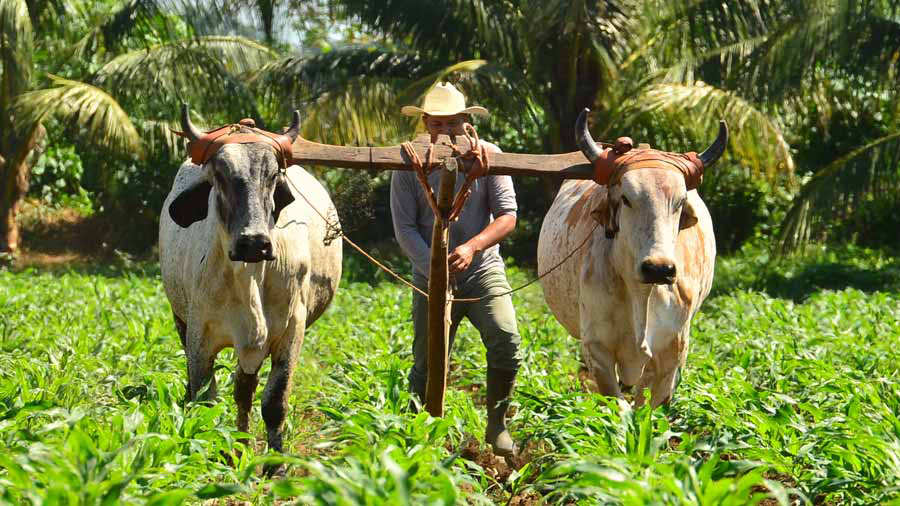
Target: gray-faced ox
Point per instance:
(246, 265)
(630, 293)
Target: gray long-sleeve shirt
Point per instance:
(492, 196)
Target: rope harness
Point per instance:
(242, 132)
(619, 158)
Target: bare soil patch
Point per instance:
(56, 238)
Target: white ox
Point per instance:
(245, 265)
(630, 298)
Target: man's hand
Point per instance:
(461, 258)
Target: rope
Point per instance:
(410, 152)
(337, 228)
(540, 276)
(480, 167)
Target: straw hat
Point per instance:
(444, 100)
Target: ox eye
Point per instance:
(625, 201)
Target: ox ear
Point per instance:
(688, 216)
(607, 214)
(191, 205)
(282, 196)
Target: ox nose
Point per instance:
(658, 273)
(252, 248)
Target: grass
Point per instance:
(790, 396)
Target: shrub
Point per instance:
(742, 206)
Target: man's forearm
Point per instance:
(495, 232)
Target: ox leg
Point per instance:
(181, 327)
(278, 387)
(660, 383)
(201, 380)
(200, 362)
(647, 380)
(602, 364)
(663, 386)
(667, 373)
(662, 372)
(244, 387)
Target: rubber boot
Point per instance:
(499, 387)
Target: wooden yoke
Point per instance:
(572, 165)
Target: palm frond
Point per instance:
(354, 94)
(294, 77)
(502, 90)
(197, 70)
(236, 54)
(16, 46)
(160, 135)
(871, 171)
(253, 19)
(109, 31)
(451, 29)
(776, 46)
(361, 113)
(756, 139)
(87, 107)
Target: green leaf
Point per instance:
(215, 490)
(170, 498)
(89, 107)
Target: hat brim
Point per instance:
(411, 110)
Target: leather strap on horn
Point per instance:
(613, 164)
(202, 149)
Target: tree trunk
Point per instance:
(17, 157)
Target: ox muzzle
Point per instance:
(252, 248)
(658, 272)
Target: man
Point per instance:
(476, 268)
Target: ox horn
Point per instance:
(294, 130)
(189, 129)
(715, 150)
(583, 137)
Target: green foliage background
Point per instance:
(790, 393)
(809, 89)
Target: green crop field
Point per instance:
(790, 396)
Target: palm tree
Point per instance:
(824, 71)
(659, 70)
(17, 139)
(147, 64)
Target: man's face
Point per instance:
(445, 125)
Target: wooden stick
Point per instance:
(439, 294)
(565, 166)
